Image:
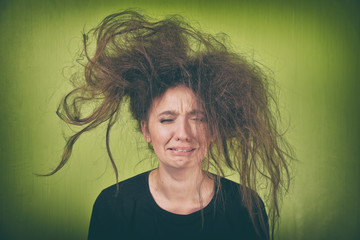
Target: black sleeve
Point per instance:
(238, 215)
(258, 231)
(264, 232)
(106, 218)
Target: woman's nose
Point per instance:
(183, 131)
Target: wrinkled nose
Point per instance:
(183, 131)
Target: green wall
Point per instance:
(311, 46)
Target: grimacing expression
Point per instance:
(177, 129)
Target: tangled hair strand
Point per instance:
(138, 58)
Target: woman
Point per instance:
(203, 110)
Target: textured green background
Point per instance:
(312, 47)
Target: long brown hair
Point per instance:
(138, 59)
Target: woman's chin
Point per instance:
(180, 163)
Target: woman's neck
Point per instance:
(181, 191)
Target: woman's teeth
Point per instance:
(181, 150)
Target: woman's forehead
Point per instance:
(178, 100)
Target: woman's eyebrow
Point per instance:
(168, 112)
(196, 112)
(173, 113)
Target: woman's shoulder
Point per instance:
(231, 198)
(229, 183)
(233, 191)
(228, 186)
(130, 187)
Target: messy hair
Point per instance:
(138, 59)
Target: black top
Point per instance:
(134, 214)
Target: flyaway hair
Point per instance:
(138, 59)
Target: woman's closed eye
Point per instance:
(166, 120)
(199, 119)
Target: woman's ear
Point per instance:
(145, 131)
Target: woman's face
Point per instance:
(177, 128)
